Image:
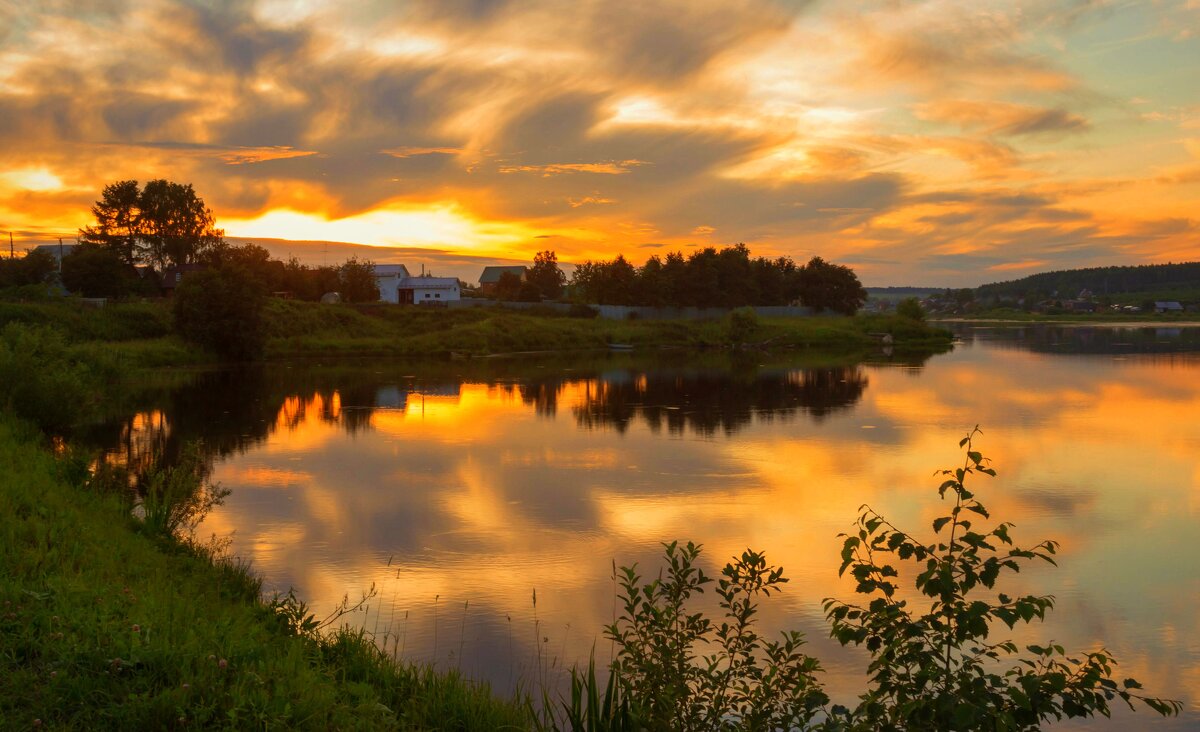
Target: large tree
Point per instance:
(546, 276)
(827, 286)
(163, 224)
(357, 281)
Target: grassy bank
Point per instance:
(141, 334)
(105, 626)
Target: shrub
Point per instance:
(221, 309)
(935, 669)
(40, 379)
(910, 307)
(743, 324)
(177, 497)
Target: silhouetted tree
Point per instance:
(357, 281)
(826, 286)
(508, 287)
(546, 276)
(221, 309)
(35, 268)
(96, 271)
(164, 224)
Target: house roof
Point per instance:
(391, 270)
(428, 283)
(492, 274)
(1167, 305)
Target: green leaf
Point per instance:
(938, 523)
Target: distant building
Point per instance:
(428, 290)
(172, 276)
(397, 286)
(1080, 306)
(388, 277)
(58, 251)
(1167, 306)
(491, 276)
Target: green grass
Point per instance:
(103, 626)
(140, 334)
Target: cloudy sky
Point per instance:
(932, 142)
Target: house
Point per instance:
(57, 251)
(1080, 306)
(388, 278)
(428, 290)
(396, 285)
(172, 276)
(1167, 306)
(491, 276)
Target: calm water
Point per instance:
(458, 489)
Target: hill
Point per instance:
(1142, 282)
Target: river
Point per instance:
(460, 490)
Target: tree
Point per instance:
(163, 224)
(508, 287)
(35, 268)
(910, 307)
(546, 276)
(118, 220)
(221, 309)
(357, 281)
(96, 271)
(937, 668)
(826, 286)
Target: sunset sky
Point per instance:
(929, 142)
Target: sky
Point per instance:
(926, 142)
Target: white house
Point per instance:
(388, 277)
(425, 290)
(396, 285)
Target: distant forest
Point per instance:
(1101, 281)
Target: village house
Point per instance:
(397, 286)
(491, 277)
(1167, 306)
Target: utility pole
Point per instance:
(11, 254)
(60, 255)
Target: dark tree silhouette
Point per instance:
(357, 281)
(826, 286)
(164, 224)
(546, 276)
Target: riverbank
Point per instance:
(107, 626)
(142, 334)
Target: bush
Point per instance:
(934, 669)
(743, 324)
(40, 380)
(221, 309)
(910, 307)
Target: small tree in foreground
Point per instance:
(221, 309)
(930, 670)
(935, 668)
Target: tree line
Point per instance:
(711, 277)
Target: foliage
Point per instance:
(94, 271)
(221, 309)
(743, 324)
(162, 224)
(826, 286)
(103, 628)
(910, 307)
(546, 276)
(1126, 281)
(508, 286)
(41, 380)
(937, 668)
(35, 268)
(745, 682)
(356, 281)
(529, 292)
(177, 497)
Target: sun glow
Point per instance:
(435, 225)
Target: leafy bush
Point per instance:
(931, 669)
(910, 307)
(178, 497)
(936, 669)
(743, 324)
(40, 380)
(221, 309)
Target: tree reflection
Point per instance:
(708, 402)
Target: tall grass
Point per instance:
(105, 627)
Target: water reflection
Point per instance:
(449, 484)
